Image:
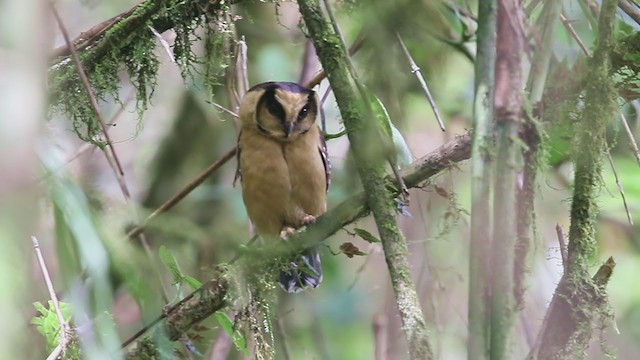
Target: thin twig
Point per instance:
(630, 9)
(92, 100)
(112, 121)
(64, 327)
(164, 43)
(567, 23)
(113, 160)
(562, 241)
(620, 188)
(184, 192)
(225, 110)
(632, 141)
(416, 70)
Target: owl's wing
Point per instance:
(325, 159)
(238, 175)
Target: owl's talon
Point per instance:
(308, 219)
(286, 232)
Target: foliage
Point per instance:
(48, 324)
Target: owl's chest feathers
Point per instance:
(281, 181)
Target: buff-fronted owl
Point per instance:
(284, 169)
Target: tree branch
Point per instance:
(211, 297)
(363, 135)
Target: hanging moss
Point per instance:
(130, 45)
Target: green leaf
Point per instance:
(225, 322)
(236, 336)
(381, 114)
(171, 263)
(404, 157)
(194, 283)
(366, 236)
(48, 324)
(66, 247)
(402, 154)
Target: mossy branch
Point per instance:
(212, 296)
(363, 135)
(127, 42)
(578, 299)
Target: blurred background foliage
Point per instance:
(62, 190)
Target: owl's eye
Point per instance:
(303, 112)
(275, 108)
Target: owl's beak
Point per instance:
(288, 128)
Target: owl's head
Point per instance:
(279, 110)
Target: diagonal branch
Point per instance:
(211, 297)
(363, 134)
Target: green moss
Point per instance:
(130, 46)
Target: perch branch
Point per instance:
(210, 298)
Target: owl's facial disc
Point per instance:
(286, 110)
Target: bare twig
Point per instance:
(620, 188)
(567, 23)
(225, 110)
(632, 141)
(85, 147)
(182, 193)
(64, 326)
(562, 241)
(164, 43)
(630, 9)
(56, 353)
(113, 160)
(94, 103)
(416, 70)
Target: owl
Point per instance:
(284, 169)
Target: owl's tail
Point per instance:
(305, 271)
